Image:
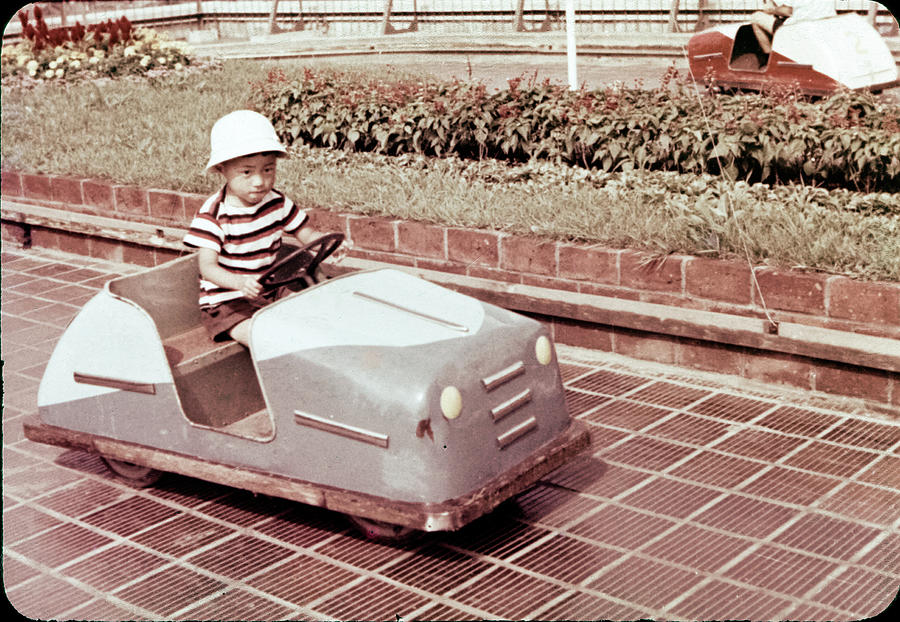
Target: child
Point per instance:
(238, 230)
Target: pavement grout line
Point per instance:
(99, 594)
(728, 490)
(659, 388)
(510, 564)
(737, 425)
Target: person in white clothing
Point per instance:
(805, 10)
(773, 15)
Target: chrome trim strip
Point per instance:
(795, 65)
(511, 405)
(517, 432)
(710, 55)
(115, 383)
(504, 375)
(419, 314)
(341, 429)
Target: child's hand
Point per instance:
(251, 288)
(342, 251)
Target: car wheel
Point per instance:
(133, 474)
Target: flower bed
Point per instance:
(533, 224)
(848, 140)
(108, 49)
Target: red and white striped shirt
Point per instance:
(247, 239)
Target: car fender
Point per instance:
(110, 361)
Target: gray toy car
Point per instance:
(405, 405)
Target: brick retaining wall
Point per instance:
(722, 286)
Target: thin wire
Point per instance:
(741, 234)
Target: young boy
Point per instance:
(238, 230)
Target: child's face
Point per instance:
(249, 178)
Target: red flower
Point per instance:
(125, 28)
(77, 32)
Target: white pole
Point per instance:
(570, 44)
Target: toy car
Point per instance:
(377, 394)
(817, 56)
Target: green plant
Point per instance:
(847, 140)
(123, 131)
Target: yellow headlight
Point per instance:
(451, 402)
(543, 349)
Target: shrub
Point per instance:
(125, 132)
(847, 140)
(108, 49)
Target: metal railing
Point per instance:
(242, 18)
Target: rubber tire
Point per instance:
(380, 530)
(132, 474)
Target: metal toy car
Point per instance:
(817, 56)
(400, 403)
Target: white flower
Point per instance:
(130, 51)
(94, 60)
(60, 72)
(52, 64)
(161, 60)
(60, 60)
(32, 72)
(48, 74)
(145, 60)
(32, 66)
(178, 66)
(75, 64)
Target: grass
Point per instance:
(154, 133)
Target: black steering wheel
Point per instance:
(301, 263)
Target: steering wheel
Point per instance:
(301, 263)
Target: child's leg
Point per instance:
(241, 333)
(763, 25)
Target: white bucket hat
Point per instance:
(240, 133)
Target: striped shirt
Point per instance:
(247, 239)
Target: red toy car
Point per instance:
(816, 56)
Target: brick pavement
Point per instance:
(702, 499)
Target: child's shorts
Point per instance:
(220, 319)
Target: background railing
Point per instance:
(243, 18)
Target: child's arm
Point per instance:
(210, 270)
(775, 8)
(306, 234)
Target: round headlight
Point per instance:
(451, 402)
(543, 349)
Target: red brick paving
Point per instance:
(702, 499)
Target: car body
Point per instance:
(817, 57)
(376, 393)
